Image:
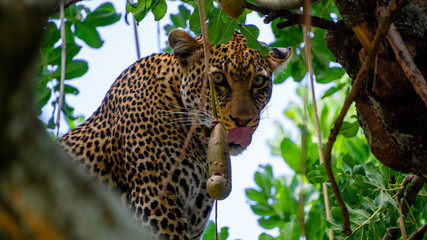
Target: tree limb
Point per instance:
(419, 234)
(63, 63)
(294, 18)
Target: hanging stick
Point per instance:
(63, 59)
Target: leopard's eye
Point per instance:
(258, 81)
(219, 78)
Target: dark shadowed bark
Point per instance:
(390, 110)
(42, 196)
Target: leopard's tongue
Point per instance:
(240, 135)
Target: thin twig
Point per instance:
(405, 60)
(307, 27)
(135, 31)
(399, 195)
(216, 219)
(357, 85)
(307, 40)
(419, 233)
(158, 36)
(63, 59)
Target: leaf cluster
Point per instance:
(220, 26)
(210, 232)
(80, 26)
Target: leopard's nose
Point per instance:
(240, 122)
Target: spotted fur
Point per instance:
(134, 138)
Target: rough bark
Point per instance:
(392, 115)
(42, 195)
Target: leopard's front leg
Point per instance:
(165, 216)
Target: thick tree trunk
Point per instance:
(392, 115)
(42, 196)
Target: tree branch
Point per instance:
(405, 201)
(419, 234)
(294, 18)
(416, 184)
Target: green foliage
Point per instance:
(367, 187)
(220, 26)
(321, 56)
(80, 23)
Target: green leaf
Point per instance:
(72, 14)
(215, 25)
(384, 200)
(180, 19)
(251, 32)
(295, 68)
(291, 154)
(74, 121)
(68, 89)
(227, 32)
(73, 69)
(291, 230)
(51, 123)
(333, 90)
(159, 10)
(336, 214)
(43, 95)
(348, 129)
(223, 234)
(348, 161)
(264, 180)
(315, 225)
(270, 222)
(135, 7)
(54, 57)
(220, 27)
(262, 210)
(194, 22)
(285, 203)
(359, 170)
(52, 35)
(104, 15)
(256, 196)
(330, 75)
(373, 231)
(358, 216)
(209, 233)
(265, 236)
(317, 176)
(88, 33)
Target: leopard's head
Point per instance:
(242, 79)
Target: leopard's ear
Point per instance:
(278, 56)
(186, 48)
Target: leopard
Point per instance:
(132, 142)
